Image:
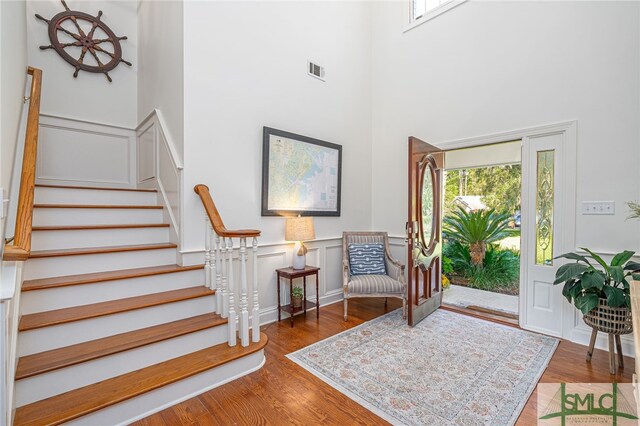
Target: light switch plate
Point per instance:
(599, 207)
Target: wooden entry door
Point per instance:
(424, 230)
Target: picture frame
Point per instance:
(300, 175)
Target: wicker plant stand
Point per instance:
(613, 321)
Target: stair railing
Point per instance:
(17, 247)
(21, 247)
(219, 268)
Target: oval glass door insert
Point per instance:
(427, 223)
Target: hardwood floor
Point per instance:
(282, 393)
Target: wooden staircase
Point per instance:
(111, 328)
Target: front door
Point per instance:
(424, 230)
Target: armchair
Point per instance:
(392, 284)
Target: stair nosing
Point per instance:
(97, 227)
(98, 277)
(207, 357)
(96, 206)
(96, 313)
(151, 190)
(41, 254)
(200, 323)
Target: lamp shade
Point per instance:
(299, 229)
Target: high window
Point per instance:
(423, 10)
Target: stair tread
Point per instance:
(31, 365)
(76, 313)
(98, 250)
(95, 277)
(82, 401)
(98, 188)
(95, 206)
(90, 227)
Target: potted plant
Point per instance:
(296, 297)
(600, 293)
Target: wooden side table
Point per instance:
(291, 274)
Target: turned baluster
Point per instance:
(217, 276)
(207, 252)
(244, 302)
(255, 314)
(232, 305)
(224, 279)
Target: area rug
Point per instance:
(450, 369)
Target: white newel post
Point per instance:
(255, 315)
(244, 301)
(224, 279)
(217, 277)
(232, 304)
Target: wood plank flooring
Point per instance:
(282, 393)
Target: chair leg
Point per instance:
(385, 302)
(345, 308)
(404, 308)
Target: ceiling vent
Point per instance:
(315, 70)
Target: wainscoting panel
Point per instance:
(168, 182)
(72, 152)
(267, 264)
(160, 166)
(333, 268)
(146, 153)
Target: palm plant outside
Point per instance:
(477, 229)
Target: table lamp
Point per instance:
(299, 229)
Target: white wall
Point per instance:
(160, 69)
(245, 68)
(90, 96)
(13, 76)
(488, 67)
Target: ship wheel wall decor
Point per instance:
(66, 33)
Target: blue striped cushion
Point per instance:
(367, 259)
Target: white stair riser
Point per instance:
(51, 240)
(148, 403)
(92, 196)
(87, 263)
(63, 380)
(70, 216)
(47, 338)
(84, 294)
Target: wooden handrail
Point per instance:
(216, 220)
(21, 248)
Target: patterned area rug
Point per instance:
(450, 369)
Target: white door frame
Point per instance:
(567, 194)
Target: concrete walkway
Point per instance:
(465, 296)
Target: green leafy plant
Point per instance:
(476, 228)
(584, 284)
(500, 268)
(297, 292)
(447, 265)
(634, 210)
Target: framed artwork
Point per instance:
(300, 175)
